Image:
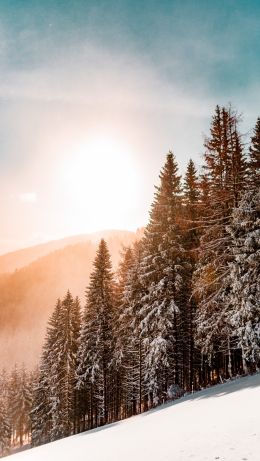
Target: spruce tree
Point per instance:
(13, 390)
(245, 277)
(94, 373)
(191, 190)
(44, 398)
(63, 358)
(129, 346)
(4, 383)
(54, 406)
(254, 158)
(5, 429)
(225, 173)
(22, 406)
(40, 416)
(190, 236)
(162, 278)
(135, 384)
(122, 351)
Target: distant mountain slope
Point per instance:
(28, 295)
(219, 423)
(9, 262)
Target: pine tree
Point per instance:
(191, 190)
(40, 418)
(191, 234)
(76, 328)
(63, 359)
(121, 333)
(54, 407)
(5, 429)
(96, 342)
(4, 382)
(13, 390)
(225, 172)
(245, 276)
(19, 404)
(161, 275)
(22, 406)
(44, 397)
(254, 158)
(129, 346)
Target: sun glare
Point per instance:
(100, 178)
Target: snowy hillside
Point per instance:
(222, 423)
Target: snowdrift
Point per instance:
(219, 423)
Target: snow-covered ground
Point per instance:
(222, 423)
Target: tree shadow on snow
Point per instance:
(218, 390)
(100, 428)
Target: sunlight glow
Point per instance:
(100, 180)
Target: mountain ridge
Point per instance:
(13, 260)
(28, 294)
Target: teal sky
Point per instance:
(146, 73)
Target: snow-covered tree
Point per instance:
(94, 373)
(22, 406)
(5, 429)
(13, 389)
(162, 278)
(245, 277)
(63, 359)
(225, 173)
(190, 240)
(122, 335)
(129, 346)
(44, 394)
(19, 400)
(54, 406)
(40, 416)
(254, 158)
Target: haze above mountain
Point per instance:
(32, 279)
(11, 261)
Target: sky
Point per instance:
(93, 94)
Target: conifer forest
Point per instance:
(182, 311)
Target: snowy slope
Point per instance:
(219, 423)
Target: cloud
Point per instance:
(28, 197)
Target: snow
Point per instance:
(219, 423)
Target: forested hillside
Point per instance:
(28, 294)
(181, 313)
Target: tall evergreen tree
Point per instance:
(122, 351)
(13, 390)
(44, 397)
(5, 429)
(191, 190)
(64, 361)
(254, 158)
(162, 277)
(190, 236)
(129, 348)
(135, 384)
(96, 342)
(53, 413)
(245, 277)
(22, 406)
(225, 169)
(40, 416)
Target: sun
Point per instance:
(100, 179)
